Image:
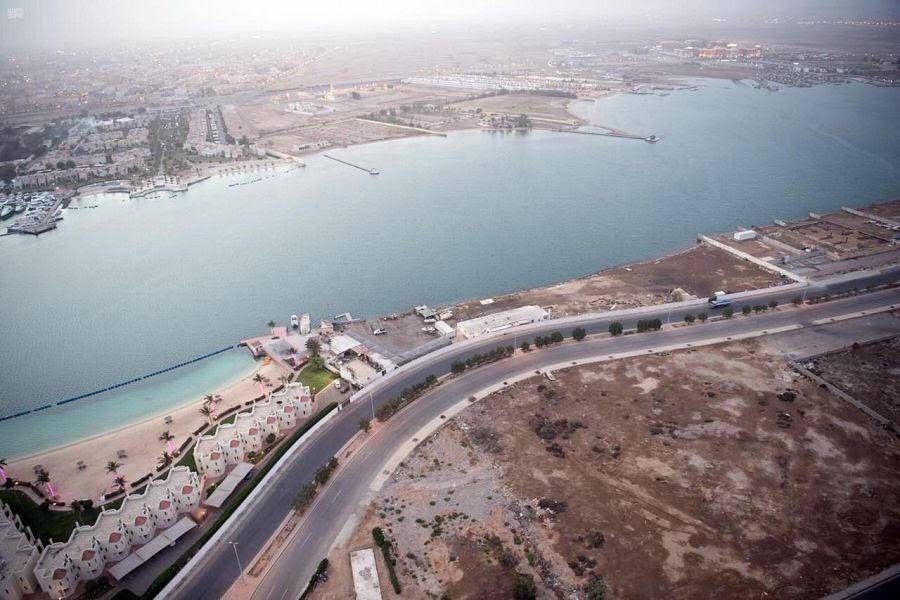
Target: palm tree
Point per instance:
(167, 437)
(164, 460)
(271, 324)
(284, 379)
(314, 346)
(43, 478)
(120, 482)
(258, 378)
(208, 398)
(206, 411)
(113, 467)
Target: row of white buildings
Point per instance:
(28, 567)
(230, 442)
(91, 548)
(19, 552)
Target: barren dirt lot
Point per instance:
(699, 271)
(889, 210)
(715, 473)
(534, 105)
(869, 373)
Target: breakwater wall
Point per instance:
(118, 385)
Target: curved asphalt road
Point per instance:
(218, 570)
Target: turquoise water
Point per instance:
(134, 286)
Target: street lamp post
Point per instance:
(372, 404)
(238, 558)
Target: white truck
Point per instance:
(719, 300)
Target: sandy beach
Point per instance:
(140, 442)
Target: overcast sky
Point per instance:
(61, 23)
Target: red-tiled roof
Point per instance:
(114, 537)
(164, 504)
(87, 555)
(140, 520)
(187, 489)
(234, 443)
(59, 574)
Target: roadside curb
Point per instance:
(276, 471)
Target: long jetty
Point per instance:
(118, 385)
(613, 132)
(350, 164)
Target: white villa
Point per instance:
(90, 548)
(229, 443)
(19, 552)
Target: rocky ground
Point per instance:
(717, 472)
(870, 373)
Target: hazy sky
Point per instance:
(60, 23)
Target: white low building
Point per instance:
(19, 552)
(230, 442)
(90, 548)
(499, 321)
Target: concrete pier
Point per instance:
(350, 164)
(612, 132)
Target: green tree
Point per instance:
(523, 587)
(594, 588)
(113, 467)
(689, 318)
(745, 310)
(314, 346)
(578, 334)
(7, 172)
(797, 301)
(526, 347)
(728, 312)
(615, 328)
(271, 324)
(458, 367)
(773, 304)
(702, 316)
(556, 337)
(43, 478)
(120, 482)
(365, 425)
(206, 411)
(164, 460)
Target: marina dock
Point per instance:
(46, 222)
(350, 164)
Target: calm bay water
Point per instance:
(137, 285)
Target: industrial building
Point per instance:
(499, 321)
